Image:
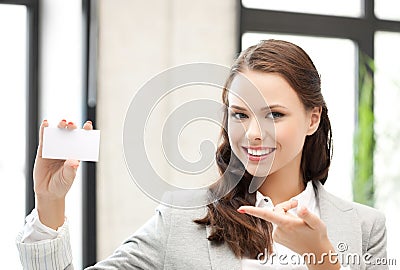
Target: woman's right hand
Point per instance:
(52, 180)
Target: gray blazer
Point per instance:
(171, 240)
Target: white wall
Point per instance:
(138, 39)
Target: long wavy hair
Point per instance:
(246, 235)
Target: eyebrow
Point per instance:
(263, 109)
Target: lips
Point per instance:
(258, 153)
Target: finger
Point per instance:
(309, 218)
(88, 125)
(283, 207)
(71, 126)
(263, 213)
(41, 130)
(69, 170)
(62, 124)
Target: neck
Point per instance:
(285, 183)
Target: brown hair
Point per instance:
(246, 235)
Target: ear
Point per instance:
(315, 117)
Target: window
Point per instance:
(352, 31)
(64, 38)
(387, 130)
(13, 111)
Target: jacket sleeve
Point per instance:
(375, 256)
(145, 249)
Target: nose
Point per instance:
(254, 131)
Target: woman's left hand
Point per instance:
(305, 233)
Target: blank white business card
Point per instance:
(77, 144)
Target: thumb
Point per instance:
(309, 218)
(69, 170)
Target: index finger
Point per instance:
(263, 213)
(88, 125)
(285, 206)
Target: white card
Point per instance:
(77, 144)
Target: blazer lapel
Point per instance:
(344, 230)
(221, 256)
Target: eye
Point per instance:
(275, 115)
(238, 115)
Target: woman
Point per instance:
(282, 151)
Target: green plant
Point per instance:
(364, 140)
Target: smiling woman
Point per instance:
(284, 153)
(280, 154)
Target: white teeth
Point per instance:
(259, 152)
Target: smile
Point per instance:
(258, 153)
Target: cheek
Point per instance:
(236, 134)
(290, 137)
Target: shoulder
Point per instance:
(183, 207)
(183, 235)
(367, 215)
(353, 222)
(172, 215)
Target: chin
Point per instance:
(262, 170)
(258, 173)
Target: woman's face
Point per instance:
(267, 123)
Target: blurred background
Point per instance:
(85, 59)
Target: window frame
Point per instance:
(361, 30)
(89, 62)
(89, 195)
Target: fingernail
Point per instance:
(70, 123)
(88, 121)
(63, 120)
(302, 210)
(75, 166)
(44, 120)
(242, 211)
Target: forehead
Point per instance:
(258, 89)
